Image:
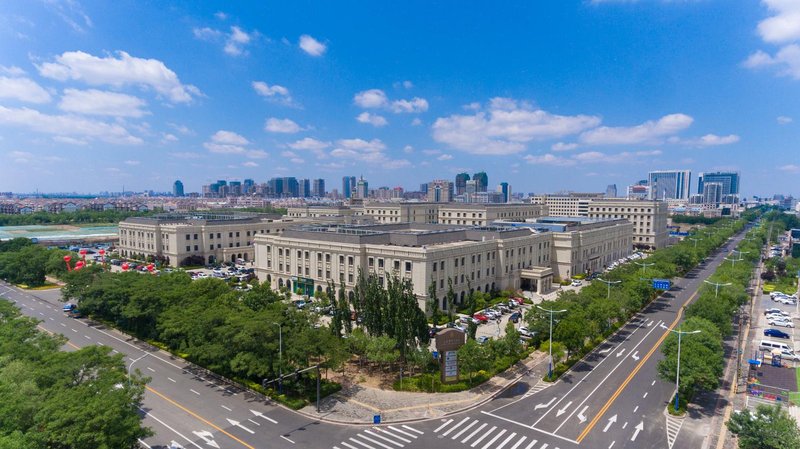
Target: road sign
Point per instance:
(436, 355)
(661, 284)
(376, 419)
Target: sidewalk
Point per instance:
(358, 405)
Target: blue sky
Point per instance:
(544, 95)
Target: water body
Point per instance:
(57, 232)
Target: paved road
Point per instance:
(610, 399)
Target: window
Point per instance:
(211, 236)
(195, 236)
(380, 263)
(441, 283)
(397, 265)
(462, 261)
(188, 248)
(305, 255)
(299, 254)
(237, 233)
(434, 266)
(280, 251)
(441, 265)
(211, 247)
(188, 237)
(408, 266)
(219, 245)
(350, 260)
(350, 277)
(327, 258)
(230, 235)
(237, 244)
(219, 236)
(248, 233)
(341, 260)
(455, 261)
(473, 258)
(371, 262)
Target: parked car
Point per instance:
(300, 303)
(433, 331)
(576, 283)
(482, 339)
(515, 317)
(776, 333)
(780, 322)
(775, 310)
(525, 332)
(481, 317)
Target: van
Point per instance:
(770, 345)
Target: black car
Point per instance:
(776, 333)
(433, 331)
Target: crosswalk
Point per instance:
(541, 385)
(674, 425)
(482, 435)
(389, 437)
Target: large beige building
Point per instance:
(481, 259)
(195, 237)
(484, 214)
(649, 219)
(402, 212)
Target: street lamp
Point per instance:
(695, 241)
(644, 265)
(550, 366)
(678, 371)
(131, 367)
(733, 261)
(608, 284)
(280, 357)
(717, 285)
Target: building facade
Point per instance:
(649, 219)
(484, 214)
(177, 188)
(670, 184)
(195, 238)
(402, 212)
(729, 181)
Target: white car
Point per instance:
(780, 322)
(525, 332)
(576, 283)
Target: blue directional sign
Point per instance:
(376, 419)
(661, 284)
(435, 355)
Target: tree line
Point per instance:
(55, 399)
(71, 218)
(23, 262)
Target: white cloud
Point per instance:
(285, 126)
(237, 39)
(783, 120)
(21, 157)
(70, 140)
(416, 122)
(288, 154)
(227, 142)
(784, 25)
(312, 46)
(118, 72)
(790, 168)
(257, 154)
(787, 59)
(548, 159)
(431, 152)
(408, 149)
(66, 125)
(561, 146)
(221, 15)
(23, 89)
(12, 70)
(183, 129)
(206, 33)
(710, 140)
(372, 119)
(132, 162)
(249, 164)
(370, 152)
(309, 144)
(167, 137)
(71, 13)
(445, 157)
(591, 157)
(98, 102)
(505, 127)
(372, 98)
(186, 155)
(266, 90)
(297, 160)
(415, 105)
(404, 84)
(647, 132)
(374, 145)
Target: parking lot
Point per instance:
(760, 322)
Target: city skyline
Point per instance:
(206, 92)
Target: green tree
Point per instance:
(770, 427)
(451, 300)
(472, 358)
(433, 304)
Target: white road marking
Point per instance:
(612, 444)
(645, 395)
(73, 330)
(446, 423)
(383, 438)
(634, 356)
(114, 351)
(144, 444)
(287, 439)
(62, 324)
(173, 430)
(261, 415)
(621, 351)
(605, 351)
(581, 417)
(410, 428)
(361, 443)
(207, 437)
(625, 425)
(531, 445)
(455, 427)
(563, 410)
(611, 420)
(239, 425)
(170, 379)
(401, 431)
(391, 434)
(639, 427)
(635, 408)
(543, 405)
(482, 437)
(521, 440)
(510, 437)
(226, 408)
(254, 422)
(348, 445)
(194, 392)
(375, 441)
(51, 319)
(462, 431)
(88, 337)
(151, 369)
(491, 442)
(473, 433)
(652, 383)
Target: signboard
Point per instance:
(376, 419)
(435, 355)
(448, 342)
(661, 284)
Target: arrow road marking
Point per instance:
(604, 351)
(538, 406)
(207, 437)
(561, 411)
(634, 356)
(619, 354)
(650, 323)
(639, 427)
(611, 420)
(261, 415)
(236, 423)
(581, 415)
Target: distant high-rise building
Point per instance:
(177, 188)
(362, 188)
(318, 188)
(481, 181)
(424, 188)
(440, 191)
(670, 184)
(461, 183)
(730, 185)
(235, 188)
(304, 188)
(611, 191)
(505, 190)
(291, 188)
(712, 193)
(348, 186)
(248, 187)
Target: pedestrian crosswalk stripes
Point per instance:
(482, 435)
(389, 437)
(541, 385)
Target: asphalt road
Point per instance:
(612, 398)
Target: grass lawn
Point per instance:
(46, 286)
(794, 396)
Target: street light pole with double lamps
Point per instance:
(695, 241)
(678, 371)
(550, 366)
(644, 265)
(733, 261)
(280, 357)
(608, 284)
(130, 367)
(717, 285)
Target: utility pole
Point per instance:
(550, 366)
(717, 285)
(644, 265)
(678, 371)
